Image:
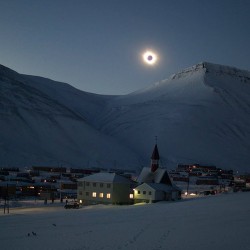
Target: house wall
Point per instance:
(119, 192)
(160, 195)
(146, 194)
(156, 195)
(85, 190)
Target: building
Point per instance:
(105, 188)
(155, 183)
(153, 192)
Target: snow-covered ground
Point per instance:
(214, 222)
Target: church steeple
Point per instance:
(155, 159)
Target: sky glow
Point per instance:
(95, 45)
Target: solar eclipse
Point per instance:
(149, 57)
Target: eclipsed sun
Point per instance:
(149, 57)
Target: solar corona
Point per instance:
(149, 57)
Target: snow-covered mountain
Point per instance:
(199, 115)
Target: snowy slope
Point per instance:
(200, 115)
(37, 129)
(216, 222)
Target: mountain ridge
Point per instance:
(200, 115)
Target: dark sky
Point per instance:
(96, 45)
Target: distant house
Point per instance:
(155, 183)
(153, 192)
(105, 188)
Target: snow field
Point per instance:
(215, 222)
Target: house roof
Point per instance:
(160, 187)
(106, 177)
(159, 176)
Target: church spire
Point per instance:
(155, 158)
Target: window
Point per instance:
(101, 195)
(80, 192)
(87, 184)
(79, 184)
(94, 184)
(94, 194)
(87, 193)
(108, 196)
(138, 191)
(101, 185)
(144, 192)
(149, 192)
(108, 185)
(131, 196)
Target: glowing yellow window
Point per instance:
(131, 196)
(94, 194)
(108, 196)
(101, 195)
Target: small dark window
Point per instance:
(139, 191)
(101, 184)
(144, 192)
(87, 193)
(149, 192)
(94, 184)
(108, 185)
(87, 184)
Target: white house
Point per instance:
(105, 188)
(153, 192)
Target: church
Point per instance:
(155, 184)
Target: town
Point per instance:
(114, 186)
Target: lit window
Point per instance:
(80, 201)
(94, 194)
(108, 196)
(131, 196)
(101, 195)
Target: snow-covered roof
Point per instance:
(105, 177)
(159, 187)
(159, 176)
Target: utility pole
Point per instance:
(61, 200)
(187, 185)
(6, 200)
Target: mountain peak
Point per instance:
(208, 67)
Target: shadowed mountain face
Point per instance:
(200, 115)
